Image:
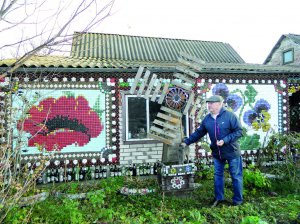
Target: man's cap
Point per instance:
(214, 98)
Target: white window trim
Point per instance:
(148, 121)
(127, 119)
(187, 125)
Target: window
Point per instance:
(288, 56)
(140, 113)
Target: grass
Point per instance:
(104, 204)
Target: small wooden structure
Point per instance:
(167, 127)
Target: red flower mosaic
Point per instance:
(57, 123)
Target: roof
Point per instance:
(73, 64)
(81, 62)
(293, 37)
(137, 48)
(119, 53)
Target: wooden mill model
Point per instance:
(177, 99)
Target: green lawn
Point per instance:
(265, 202)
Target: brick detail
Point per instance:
(141, 153)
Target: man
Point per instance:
(224, 129)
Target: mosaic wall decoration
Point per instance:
(71, 120)
(256, 106)
(64, 121)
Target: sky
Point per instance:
(252, 28)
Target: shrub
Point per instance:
(252, 220)
(253, 180)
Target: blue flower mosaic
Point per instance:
(256, 114)
(249, 117)
(262, 105)
(221, 89)
(232, 100)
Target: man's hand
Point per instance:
(183, 145)
(220, 143)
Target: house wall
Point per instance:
(247, 98)
(259, 103)
(138, 152)
(285, 44)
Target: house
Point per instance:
(286, 52)
(80, 105)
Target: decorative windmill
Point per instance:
(177, 98)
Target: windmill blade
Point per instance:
(136, 79)
(157, 89)
(184, 78)
(150, 86)
(187, 71)
(191, 58)
(181, 85)
(171, 111)
(165, 124)
(164, 132)
(161, 139)
(164, 93)
(144, 81)
(190, 101)
(190, 64)
(166, 127)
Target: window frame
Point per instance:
(125, 135)
(127, 118)
(284, 62)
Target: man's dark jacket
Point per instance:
(225, 127)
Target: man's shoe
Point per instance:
(215, 202)
(237, 203)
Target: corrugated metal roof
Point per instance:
(60, 62)
(74, 62)
(135, 48)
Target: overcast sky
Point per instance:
(252, 27)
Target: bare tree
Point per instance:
(43, 26)
(29, 28)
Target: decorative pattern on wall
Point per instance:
(293, 88)
(72, 120)
(253, 107)
(260, 106)
(59, 123)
